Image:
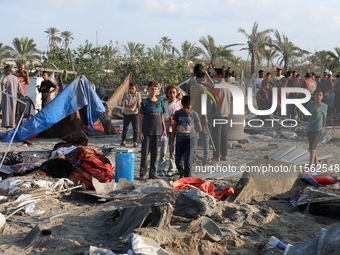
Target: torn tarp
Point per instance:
(127, 219)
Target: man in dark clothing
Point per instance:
(44, 89)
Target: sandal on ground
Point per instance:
(122, 144)
(135, 145)
(199, 157)
(160, 172)
(155, 177)
(207, 161)
(214, 160)
(143, 178)
(224, 158)
(170, 173)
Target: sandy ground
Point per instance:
(247, 227)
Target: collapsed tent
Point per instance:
(117, 98)
(75, 108)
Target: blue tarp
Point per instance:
(75, 96)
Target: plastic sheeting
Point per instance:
(74, 97)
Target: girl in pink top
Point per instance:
(171, 105)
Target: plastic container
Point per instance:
(125, 166)
(214, 233)
(277, 243)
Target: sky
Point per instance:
(311, 25)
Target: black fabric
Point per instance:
(190, 208)
(57, 168)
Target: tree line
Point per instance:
(108, 65)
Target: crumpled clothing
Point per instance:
(62, 151)
(92, 164)
(23, 167)
(15, 158)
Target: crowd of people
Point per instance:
(176, 122)
(330, 87)
(325, 100)
(14, 85)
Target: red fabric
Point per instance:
(322, 179)
(78, 176)
(98, 127)
(189, 183)
(183, 182)
(92, 164)
(30, 138)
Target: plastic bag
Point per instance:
(324, 138)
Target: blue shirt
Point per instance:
(186, 125)
(153, 112)
(315, 121)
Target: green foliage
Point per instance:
(23, 49)
(4, 52)
(144, 68)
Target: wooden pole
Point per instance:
(54, 70)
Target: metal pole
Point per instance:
(16, 129)
(210, 137)
(212, 82)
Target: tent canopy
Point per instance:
(77, 98)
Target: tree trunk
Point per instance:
(285, 69)
(252, 71)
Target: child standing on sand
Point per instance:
(186, 124)
(131, 101)
(315, 124)
(171, 105)
(151, 127)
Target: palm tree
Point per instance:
(256, 42)
(213, 52)
(24, 49)
(286, 49)
(166, 43)
(236, 60)
(335, 58)
(4, 52)
(156, 53)
(67, 35)
(108, 51)
(323, 59)
(53, 33)
(131, 48)
(270, 54)
(189, 51)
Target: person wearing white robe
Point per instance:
(11, 85)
